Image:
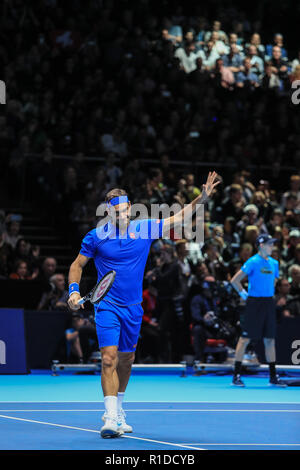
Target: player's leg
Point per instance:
(269, 341)
(239, 354)
(109, 376)
(108, 333)
(130, 330)
(110, 386)
(242, 345)
(126, 359)
(270, 353)
(252, 322)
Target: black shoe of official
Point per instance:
(237, 381)
(277, 382)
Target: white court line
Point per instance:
(164, 401)
(161, 410)
(92, 430)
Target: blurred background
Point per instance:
(148, 96)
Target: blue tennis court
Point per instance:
(167, 412)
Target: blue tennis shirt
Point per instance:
(127, 254)
(261, 274)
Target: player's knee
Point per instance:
(127, 358)
(131, 358)
(108, 360)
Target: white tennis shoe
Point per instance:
(111, 427)
(122, 421)
(122, 425)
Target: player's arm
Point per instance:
(75, 274)
(236, 283)
(189, 210)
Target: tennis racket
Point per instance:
(100, 290)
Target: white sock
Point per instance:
(111, 405)
(120, 400)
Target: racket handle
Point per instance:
(81, 301)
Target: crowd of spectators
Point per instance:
(128, 87)
(116, 82)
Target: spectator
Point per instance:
(218, 45)
(296, 61)
(294, 275)
(234, 204)
(282, 297)
(191, 189)
(171, 32)
(278, 41)
(150, 342)
(223, 75)
(216, 28)
(203, 307)
(246, 78)
(270, 79)
(208, 56)
(279, 65)
(296, 258)
(256, 41)
(12, 233)
(185, 267)
(276, 254)
(214, 261)
(294, 239)
(26, 253)
(294, 188)
(233, 42)
(245, 252)
(200, 28)
(251, 234)
(233, 60)
(81, 338)
(187, 57)
(256, 61)
(231, 239)
(57, 298)
(47, 270)
(20, 272)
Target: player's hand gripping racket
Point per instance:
(100, 290)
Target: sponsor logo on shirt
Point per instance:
(266, 271)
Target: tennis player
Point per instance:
(260, 313)
(119, 315)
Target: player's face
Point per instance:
(267, 248)
(120, 215)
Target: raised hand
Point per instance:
(212, 181)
